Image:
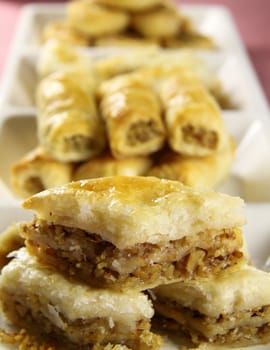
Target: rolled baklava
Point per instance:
(198, 172)
(42, 301)
(57, 55)
(62, 31)
(160, 22)
(69, 126)
(107, 165)
(37, 171)
(95, 20)
(130, 5)
(230, 309)
(134, 232)
(132, 115)
(193, 119)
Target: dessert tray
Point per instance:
(249, 123)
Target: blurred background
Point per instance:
(252, 18)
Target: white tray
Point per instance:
(250, 124)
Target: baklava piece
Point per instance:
(198, 172)
(42, 301)
(193, 119)
(230, 309)
(132, 115)
(37, 171)
(134, 232)
(107, 165)
(69, 126)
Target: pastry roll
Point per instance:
(231, 309)
(193, 119)
(127, 41)
(42, 301)
(130, 5)
(62, 31)
(134, 232)
(10, 240)
(94, 20)
(199, 172)
(69, 126)
(37, 171)
(159, 22)
(106, 165)
(132, 114)
(56, 55)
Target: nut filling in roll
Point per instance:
(134, 232)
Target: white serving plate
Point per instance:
(249, 125)
(256, 232)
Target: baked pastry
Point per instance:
(10, 240)
(193, 119)
(41, 300)
(126, 41)
(231, 309)
(69, 126)
(134, 232)
(132, 114)
(56, 55)
(130, 5)
(37, 171)
(199, 172)
(159, 22)
(61, 30)
(94, 20)
(107, 165)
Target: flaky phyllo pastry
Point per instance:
(192, 118)
(37, 171)
(132, 114)
(41, 300)
(140, 22)
(198, 172)
(134, 232)
(69, 126)
(232, 308)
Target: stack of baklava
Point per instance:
(97, 251)
(148, 114)
(118, 23)
(94, 247)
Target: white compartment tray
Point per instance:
(249, 124)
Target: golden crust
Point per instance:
(95, 20)
(144, 209)
(160, 22)
(10, 240)
(106, 165)
(37, 171)
(133, 5)
(61, 30)
(132, 115)
(199, 172)
(193, 119)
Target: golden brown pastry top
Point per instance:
(130, 210)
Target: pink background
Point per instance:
(251, 16)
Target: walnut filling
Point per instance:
(87, 257)
(200, 136)
(28, 312)
(241, 328)
(79, 143)
(142, 131)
